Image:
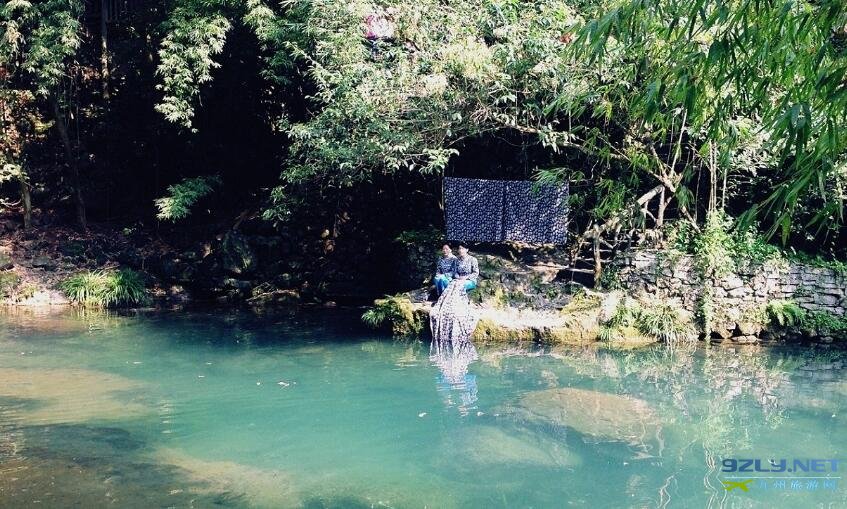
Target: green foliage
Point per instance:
(105, 288)
(666, 323)
(610, 278)
(708, 70)
(429, 236)
(713, 248)
(9, 281)
(786, 313)
(823, 322)
(582, 301)
(624, 316)
(451, 72)
(723, 246)
(492, 292)
(181, 197)
(396, 312)
(39, 38)
(835, 265)
(705, 311)
(662, 321)
(743, 98)
(196, 33)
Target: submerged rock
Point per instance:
(258, 487)
(598, 414)
(492, 446)
(63, 395)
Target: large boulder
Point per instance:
(236, 255)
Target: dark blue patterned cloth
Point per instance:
(535, 216)
(498, 210)
(474, 209)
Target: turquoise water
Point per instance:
(239, 409)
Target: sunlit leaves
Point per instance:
(770, 60)
(39, 39)
(196, 32)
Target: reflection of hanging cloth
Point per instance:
(497, 210)
(452, 317)
(535, 215)
(453, 359)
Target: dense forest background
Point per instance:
(332, 120)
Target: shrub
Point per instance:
(182, 196)
(105, 288)
(713, 247)
(582, 301)
(822, 322)
(664, 322)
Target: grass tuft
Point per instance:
(105, 288)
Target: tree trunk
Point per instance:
(598, 262)
(26, 200)
(104, 48)
(72, 162)
(660, 215)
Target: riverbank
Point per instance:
(647, 296)
(222, 263)
(525, 294)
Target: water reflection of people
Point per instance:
(453, 359)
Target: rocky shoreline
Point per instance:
(524, 294)
(540, 302)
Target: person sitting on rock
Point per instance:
(466, 268)
(444, 269)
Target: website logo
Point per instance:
(797, 474)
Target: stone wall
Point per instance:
(738, 299)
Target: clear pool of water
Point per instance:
(307, 409)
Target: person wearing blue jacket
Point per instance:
(444, 269)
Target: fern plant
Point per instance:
(182, 196)
(784, 312)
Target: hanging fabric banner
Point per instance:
(535, 215)
(474, 209)
(497, 210)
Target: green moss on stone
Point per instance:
(398, 313)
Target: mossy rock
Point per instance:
(399, 313)
(630, 335)
(489, 331)
(568, 335)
